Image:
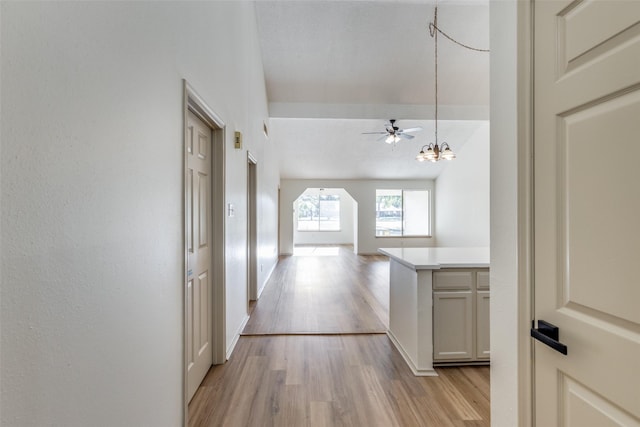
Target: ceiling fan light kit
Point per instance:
(392, 139)
(393, 134)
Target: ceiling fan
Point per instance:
(393, 133)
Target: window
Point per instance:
(319, 212)
(402, 213)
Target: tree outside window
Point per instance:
(318, 212)
(402, 213)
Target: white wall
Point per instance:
(91, 200)
(1, 222)
(364, 193)
(506, 109)
(462, 195)
(268, 181)
(343, 237)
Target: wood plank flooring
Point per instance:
(324, 294)
(348, 379)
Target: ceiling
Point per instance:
(335, 69)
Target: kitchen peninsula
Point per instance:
(439, 306)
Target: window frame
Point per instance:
(319, 220)
(402, 213)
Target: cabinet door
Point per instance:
(482, 281)
(482, 325)
(452, 326)
(449, 280)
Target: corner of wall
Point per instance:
(506, 112)
(236, 337)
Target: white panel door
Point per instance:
(198, 218)
(587, 211)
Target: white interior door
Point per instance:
(587, 211)
(199, 277)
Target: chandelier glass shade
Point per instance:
(434, 153)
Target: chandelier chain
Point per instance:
(434, 152)
(435, 38)
(433, 32)
(433, 29)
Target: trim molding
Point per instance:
(525, 210)
(266, 279)
(236, 337)
(196, 104)
(416, 371)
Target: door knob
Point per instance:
(548, 334)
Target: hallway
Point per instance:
(314, 353)
(324, 289)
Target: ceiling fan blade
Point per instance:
(415, 129)
(383, 137)
(405, 136)
(375, 133)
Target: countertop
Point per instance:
(436, 258)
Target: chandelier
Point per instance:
(435, 152)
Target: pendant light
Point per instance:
(435, 152)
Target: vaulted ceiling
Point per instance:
(335, 69)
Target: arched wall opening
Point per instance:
(325, 216)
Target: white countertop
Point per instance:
(436, 258)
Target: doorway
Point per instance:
(204, 242)
(252, 232)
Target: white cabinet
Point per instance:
(461, 315)
(453, 325)
(482, 325)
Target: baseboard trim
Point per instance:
(462, 363)
(266, 280)
(308, 333)
(236, 337)
(416, 371)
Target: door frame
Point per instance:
(525, 209)
(194, 103)
(512, 94)
(252, 232)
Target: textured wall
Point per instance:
(91, 201)
(462, 195)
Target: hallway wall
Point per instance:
(91, 200)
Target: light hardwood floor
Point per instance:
(324, 294)
(347, 379)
